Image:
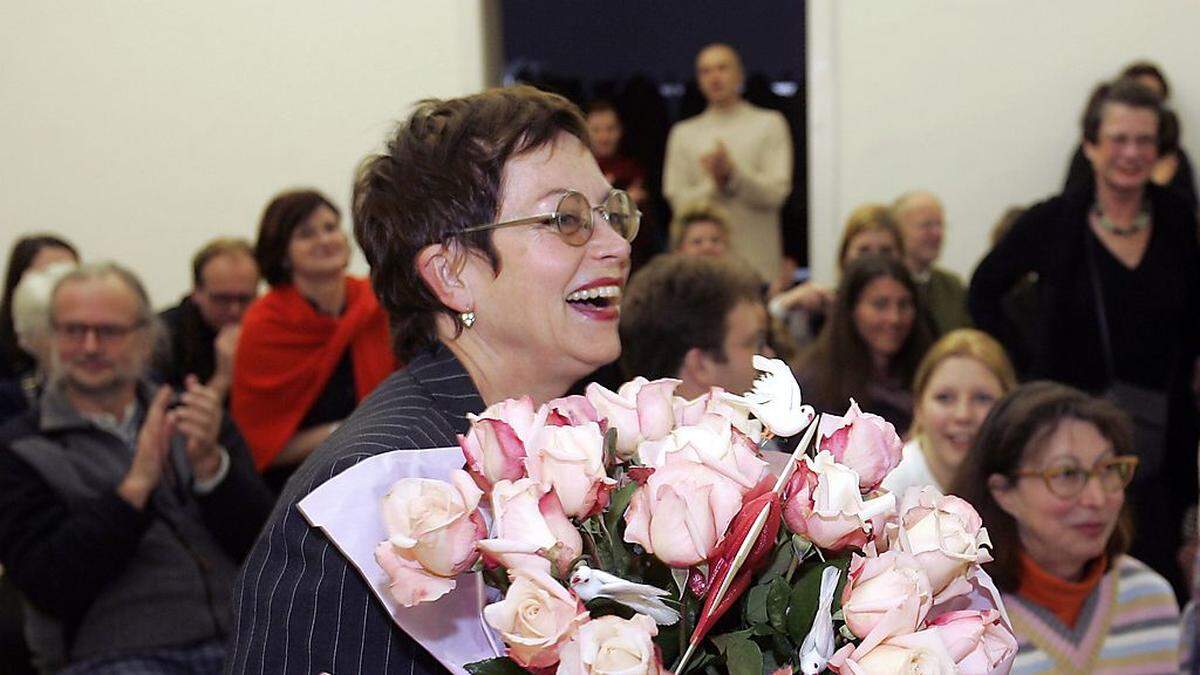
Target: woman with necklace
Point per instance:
(1119, 283)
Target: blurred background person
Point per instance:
(31, 324)
(1119, 297)
(202, 330)
(736, 154)
(123, 518)
(1047, 473)
(922, 222)
(1020, 306)
(870, 346)
(311, 348)
(961, 377)
(31, 252)
(1173, 169)
(870, 229)
(624, 172)
(695, 318)
(700, 228)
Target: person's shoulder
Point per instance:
(946, 277)
(1136, 581)
(23, 425)
(174, 314)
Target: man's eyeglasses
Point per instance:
(1067, 479)
(573, 217)
(106, 333)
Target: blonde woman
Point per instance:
(954, 388)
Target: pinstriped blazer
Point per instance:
(299, 606)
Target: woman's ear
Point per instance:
(1002, 491)
(441, 268)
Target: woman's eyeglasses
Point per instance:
(1067, 479)
(573, 217)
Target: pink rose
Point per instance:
(612, 645)
(689, 413)
(640, 410)
(977, 641)
(432, 529)
(714, 443)
(571, 410)
(866, 443)
(945, 534)
(885, 596)
(822, 503)
(570, 461)
(529, 528)
(536, 618)
(495, 446)
(914, 654)
(682, 511)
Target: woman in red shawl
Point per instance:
(312, 347)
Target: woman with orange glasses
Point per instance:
(1048, 473)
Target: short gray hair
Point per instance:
(104, 270)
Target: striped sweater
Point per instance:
(1129, 624)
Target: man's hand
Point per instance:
(199, 420)
(153, 444)
(718, 165)
(225, 349)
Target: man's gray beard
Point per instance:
(60, 377)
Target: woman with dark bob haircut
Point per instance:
(500, 252)
(1047, 473)
(869, 348)
(312, 347)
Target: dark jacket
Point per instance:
(189, 349)
(101, 577)
(303, 608)
(1051, 239)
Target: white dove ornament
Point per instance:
(775, 398)
(817, 648)
(589, 583)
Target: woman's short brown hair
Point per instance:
(868, 218)
(1016, 427)
(286, 211)
(442, 171)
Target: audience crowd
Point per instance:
(141, 453)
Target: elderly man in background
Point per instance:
(124, 511)
(735, 154)
(203, 329)
(940, 291)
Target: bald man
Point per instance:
(736, 155)
(923, 225)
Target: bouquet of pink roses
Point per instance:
(626, 531)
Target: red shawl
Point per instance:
(287, 353)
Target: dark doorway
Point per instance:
(640, 56)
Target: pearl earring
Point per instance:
(468, 318)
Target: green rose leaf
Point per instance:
(779, 596)
(756, 605)
(743, 657)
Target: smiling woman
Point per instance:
(313, 346)
(869, 348)
(500, 253)
(956, 384)
(1047, 473)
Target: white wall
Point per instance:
(977, 100)
(141, 129)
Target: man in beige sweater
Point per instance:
(734, 154)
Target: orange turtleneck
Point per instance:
(1064, 598)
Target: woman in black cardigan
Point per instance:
(1118, 270)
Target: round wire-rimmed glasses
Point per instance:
(573, 217)
(1068, 479)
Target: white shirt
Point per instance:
(913, 471)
